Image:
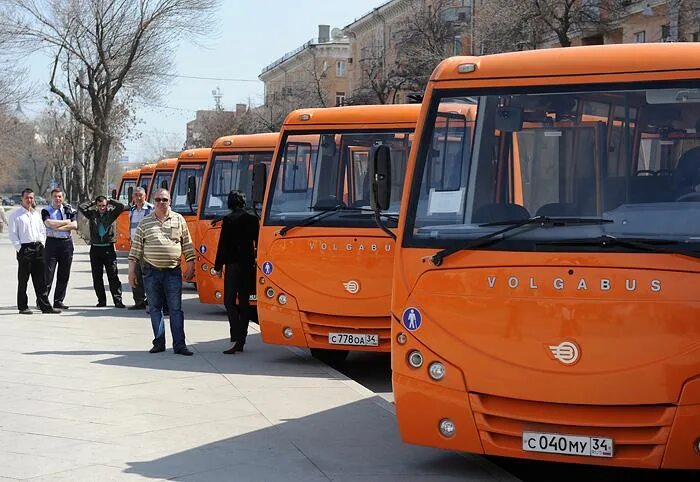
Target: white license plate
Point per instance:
(354, 339)
(253, 298)
(554, 443)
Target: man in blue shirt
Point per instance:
(139, 209)
(59, 219)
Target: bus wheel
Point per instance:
(331, 357)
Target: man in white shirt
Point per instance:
(138, 210)
(27, 234)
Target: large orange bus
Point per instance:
(123, 195)
(186, 188)
(324, 265)
(231, 167)
(543, 303)
(162, 177)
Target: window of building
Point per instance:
(457, 45)
(666, 33)
(339, 99)
(640, 37)
(340, 69)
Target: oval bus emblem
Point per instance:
(352, 287)
(566, 352)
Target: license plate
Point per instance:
(253, 298)
(554, 443)
(354, 339)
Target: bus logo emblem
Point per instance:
(352, 287)
(566, 352)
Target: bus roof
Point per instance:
(588, 60)
(131, 174)
(167, 164)
(354, 115)
(199, 154)
(148, 168)
(247, 141)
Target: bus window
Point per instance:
(124, 191)
(161, 178)
(179, 187)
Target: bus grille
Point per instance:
(317, 326)
(639, 432)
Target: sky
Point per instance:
(248, 36)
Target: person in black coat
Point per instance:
(236, 252)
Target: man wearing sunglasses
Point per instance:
(157, 245)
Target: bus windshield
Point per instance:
(627, 157)
(330, 171)
(124, 191)
(178, 193)
(144, 181)
(161, 179)
(230, 172)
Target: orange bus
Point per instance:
(324, 264)
(162, 177)
(123, 195)
(543, 303)
(231, 167)
(186, 187)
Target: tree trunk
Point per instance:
(102, 146)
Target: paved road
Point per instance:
(81, 399)
(374, 372)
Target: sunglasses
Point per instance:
(161, 199)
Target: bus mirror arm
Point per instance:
(114, 194)
(191, 192)
(380, 191)
(129, 194)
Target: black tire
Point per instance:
(330, 357)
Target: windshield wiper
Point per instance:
(537, 221)
(654, 245)
(311, 219)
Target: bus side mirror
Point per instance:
(380, 175)
(129, 194)
(259, 182)
(114, 194)
(164, 184)
(191, 190)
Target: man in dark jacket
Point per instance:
(236, 251)
(102, 213)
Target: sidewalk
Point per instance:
(81, 399)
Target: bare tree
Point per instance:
(380, 83)
(107, 52)
(505, 25)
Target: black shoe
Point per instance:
(238, 346)
(60, 305)
(26, 311)
(52, 311)
(119, 304)
(101, 304)
(184, 351)
(157, 349)
(137, 306)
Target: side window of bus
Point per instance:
(451, 141)
(359, 170)
(124, 193)
(295, 167)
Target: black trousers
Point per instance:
(58, 252)
(104, 258)
(138, 291)
(30, 259)
(239, 283)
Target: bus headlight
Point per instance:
(415, 359)
(270, 292)
(218, 295)
(205, 267)
(436, 370)
(282, 299)
(261, 280)
(212, 272)
(447, 427)
(287, 332)
(401, 338)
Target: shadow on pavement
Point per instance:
(258, 359)
(355, 441)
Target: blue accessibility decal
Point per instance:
(203, 249)
(412, 319)
(267, 268)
